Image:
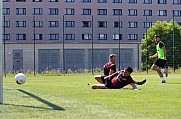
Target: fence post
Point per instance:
(146, 46)
(1, 56)
(4, 44)
(34, 43)
(63, 46)
(119, 42)
(173, 57)
(92, 46)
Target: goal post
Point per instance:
(1, 54)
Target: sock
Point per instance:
(142, 82)
(163, 79)
(162, 70)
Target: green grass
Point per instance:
(70, 97)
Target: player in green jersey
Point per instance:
(159, 64)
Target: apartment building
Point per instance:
(79, 34)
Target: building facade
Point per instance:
(79, 34)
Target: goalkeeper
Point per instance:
(118, 80)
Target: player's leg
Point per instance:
(162, 65)
(141, 82)
(98, 78)
(166, 71)
(157, 68)
(99, 86)
(164, 68)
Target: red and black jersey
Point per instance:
(119, 81)
(109, 66)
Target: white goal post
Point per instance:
(1, 54)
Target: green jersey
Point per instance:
(160, 51)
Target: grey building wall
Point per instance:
(27, 45)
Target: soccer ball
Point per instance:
(20, 78)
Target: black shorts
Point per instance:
(106, 82)
(160, 62)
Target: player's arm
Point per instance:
(161, 45)
(165, 52)
(153, 56)
(134, 86)
(111, 71)
(108, 77)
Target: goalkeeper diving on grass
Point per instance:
(117, 80)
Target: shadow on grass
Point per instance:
(35, 107)
(53, 106)
(130, 88)
(173, 83)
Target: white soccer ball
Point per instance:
(20, 78)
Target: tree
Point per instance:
(171, 40)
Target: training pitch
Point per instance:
(71, 97)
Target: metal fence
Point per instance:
(95, 35)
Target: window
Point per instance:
(69, 0)
(20, 36)
(53, 23)
(102, 24)
(69, 24)
(147, 13)
(86, 0)
(20, 0)
(117, 11)
(37, 0)
(132, 36)
(179, 23)
(21, 11)
(86, 36)
(86, 23)
(147, 24)
(53, 11)
(117, 1)
(176, 1)
(86, 12)
(102, 1)
(117, 36)
(102, 11)
(132, 1)
(132, 24)
(6, 36)
(6, 11)
(69, 11)
(6, 24)
(147, 1)
(162, 13)
(38, 24)
(53, 37)
(177, 13)
(69, 36)
(162, 1)
(132, 12)
(20, 23)
(117, 24)
(6, 0)
(38, 36)
(37, 11)
(102, 37)
(53, 0)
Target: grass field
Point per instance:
(71, 97)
